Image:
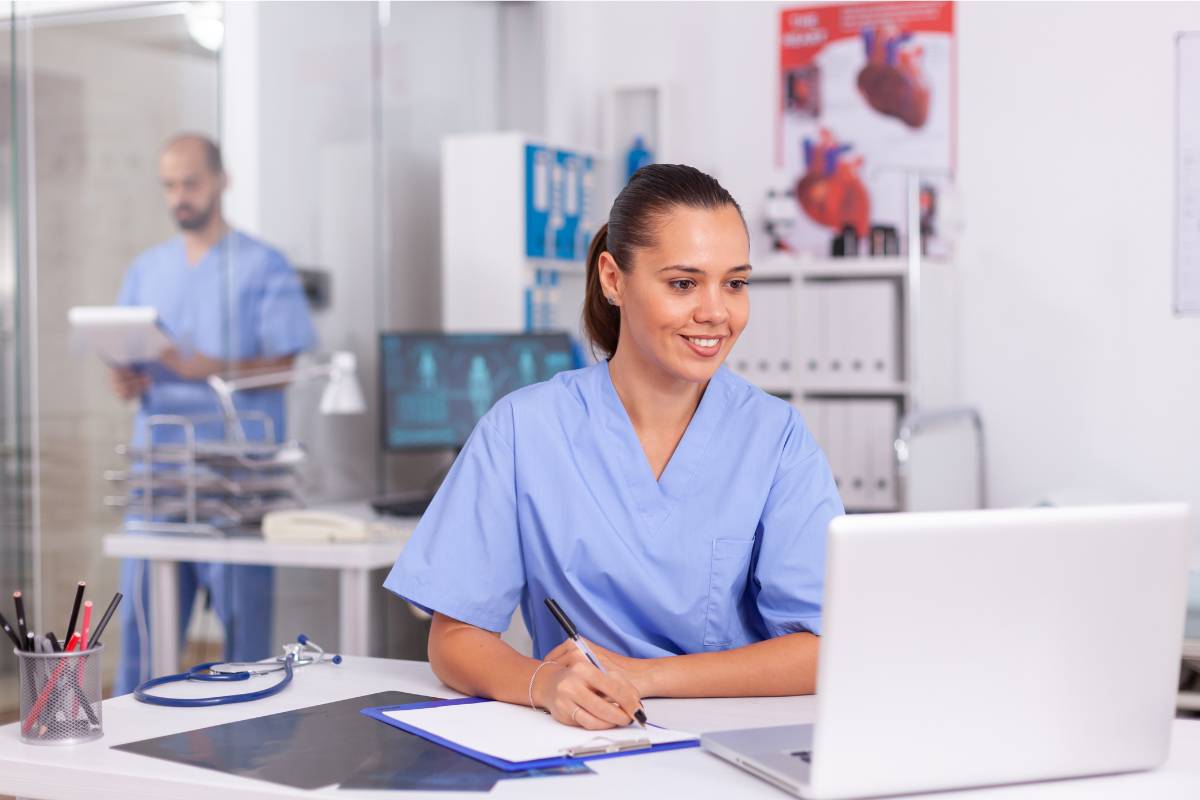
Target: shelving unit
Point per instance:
(809, 315)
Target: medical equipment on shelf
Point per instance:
(301, 653)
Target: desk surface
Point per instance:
(95, 771)
(371, 554)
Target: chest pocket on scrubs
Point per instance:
(726, 586)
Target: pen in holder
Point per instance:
(60, 696)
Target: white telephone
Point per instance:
(316, 525)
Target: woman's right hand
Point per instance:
(584, 696)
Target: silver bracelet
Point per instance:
(531, 679)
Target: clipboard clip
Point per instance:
(603, 745)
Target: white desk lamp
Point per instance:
(342, 394)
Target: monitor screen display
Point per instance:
(436, 386)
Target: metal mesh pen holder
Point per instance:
(60, 697)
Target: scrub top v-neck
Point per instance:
(241, 300)
(553, 496)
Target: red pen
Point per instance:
(87, 625)
(83, 645)
(36, 711)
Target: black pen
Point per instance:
(22, 630)
(569, 628)
(103, 623)
(11, 633)
(75, 610)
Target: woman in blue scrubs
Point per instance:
(676, 512)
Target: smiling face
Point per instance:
(684, 300)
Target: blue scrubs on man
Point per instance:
(241, 301)
(552, 496)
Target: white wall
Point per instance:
(1087, 381)
(1088, 385)
(717, 62)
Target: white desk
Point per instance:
(353, 561)
(94, 771)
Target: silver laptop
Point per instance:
(985, 647)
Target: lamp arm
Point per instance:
(224, 393)
(263, 380)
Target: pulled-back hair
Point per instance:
(652, 193)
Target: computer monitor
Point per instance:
(436, 386)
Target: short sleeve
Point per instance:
(464, 558)
(790, 570)
(284, 325)
(128, 296)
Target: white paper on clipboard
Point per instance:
(118, 335)
(1187, 173)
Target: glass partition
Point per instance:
(15, 562)
(330, 118)
(90, 96)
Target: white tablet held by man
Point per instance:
(978, 648)
(119, 335)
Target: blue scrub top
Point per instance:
(242, 300)
(553, 496)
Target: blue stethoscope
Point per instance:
(299, 654)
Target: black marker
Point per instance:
(11, 633)
(75, 610)
(22, 630)
(103, 623)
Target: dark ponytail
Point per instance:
(651, 193)
(601, 319)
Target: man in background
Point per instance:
(232, 305)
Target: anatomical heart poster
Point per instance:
(866, 97)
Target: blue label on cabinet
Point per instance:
(558, 188)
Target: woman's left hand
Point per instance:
(637, 671)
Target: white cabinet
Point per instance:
(518, 216)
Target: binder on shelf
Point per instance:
(833, 414)
(868, 332)
(811, 334)
(880, 349)
(774, 345)
(813, 414)
(513, 738)
(744, 356)
(838, 330)
(857, 442)
(856, 436)
(848, 335)
(876, 421)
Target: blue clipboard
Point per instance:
(508, 766)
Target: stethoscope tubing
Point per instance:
(141, 694)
